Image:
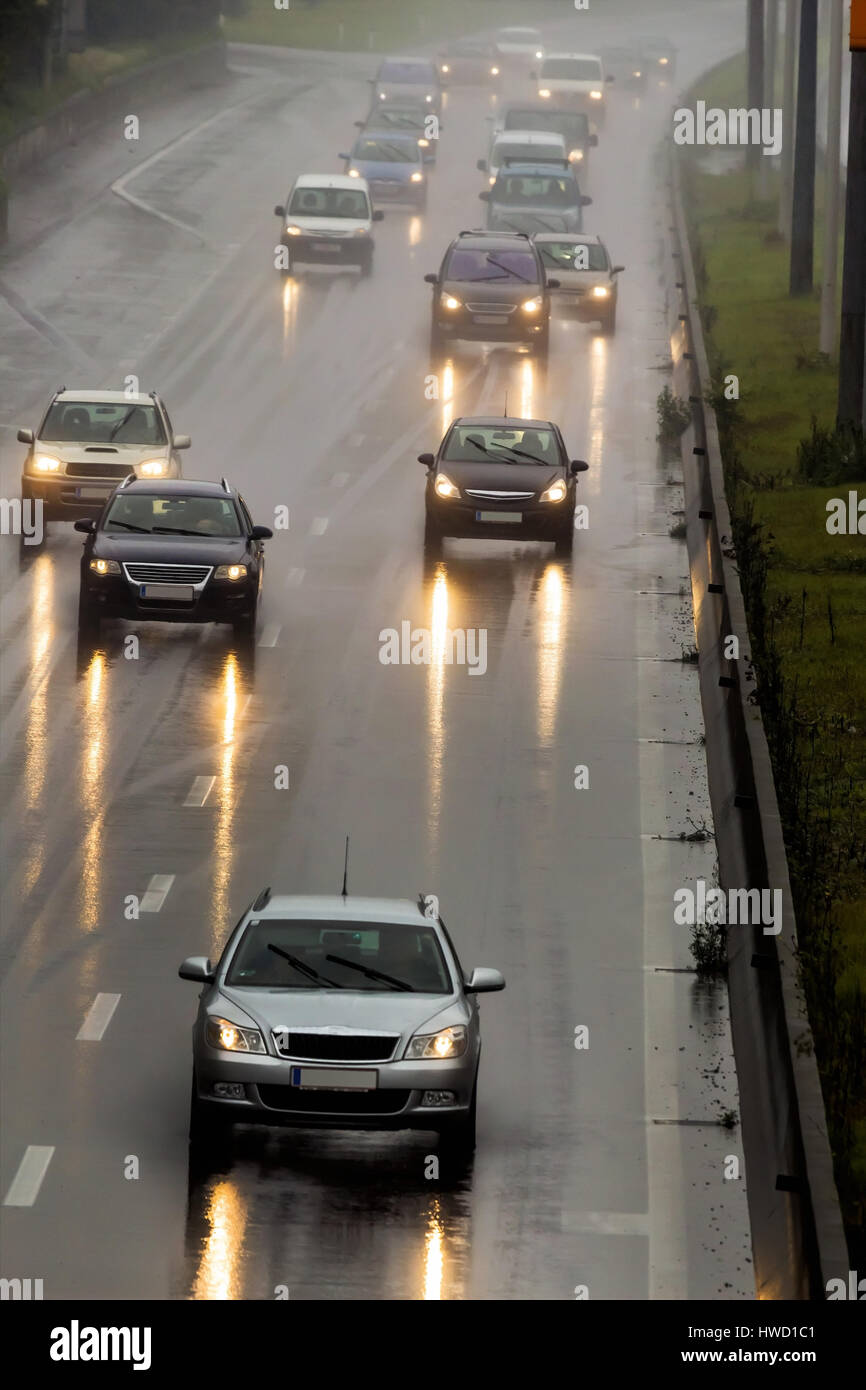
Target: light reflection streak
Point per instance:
(434, 1255)
(223, 846)
(93, 763)
(552, 602)
(218, 1274)
(436, 702)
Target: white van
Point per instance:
(525, 146)
(576, 80)
(328, 218)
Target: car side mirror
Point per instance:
(485, 196)
(427, 459)
(25, 436)
(378, 215)
(584, 201)
(86, 524)
(481, 166)
(198, 969)
(279, 210)
(359, 124)
(577, 466)
(182, 441)
(616, 269)
(484, 980)
(610, 77)
(261, 533)
(344, 156)
(553, 284)
(593, 140)
(432, 278)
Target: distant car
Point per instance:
(337, 1013)
(535, 198)
(576, 80)
(518, 47)
(587, 279)
(628, 66)
(177, 551)
(490, 288)
(88, 441)
(470, 61)
(406, 120)
(503, 479)
(659, 54)
(392, 166)
(573, 126)
(527, 146)
(327, 218)
(402, 79)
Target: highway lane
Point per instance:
(599, 1168)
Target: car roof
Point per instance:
(518, 29)
(505, 421)
(528, 137)
(105, 397)
(406, 58)
(493, 241)
(328, 181)
(527, 166)
(185, 487)
(400, 911)
(586, 238)
(409, 136)
(594, 56)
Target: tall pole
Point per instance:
(836, 20)
(755, 93)
(770, 46)
(852, 337)
(792, 24)
(803, 214)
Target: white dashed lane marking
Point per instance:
(28, 1180)
(199, 791)
(98, 1018)
(157, 891)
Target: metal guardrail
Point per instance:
(798, 1237)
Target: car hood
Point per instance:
(570, 84)
(341, 1011)
(490, 292)
(131, 454)
(534, 219)
(386, 169)
(171, 550)
(513, 477)
(586, 278)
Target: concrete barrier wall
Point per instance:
(797, 1232)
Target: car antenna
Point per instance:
(505, 410)
(346, 867)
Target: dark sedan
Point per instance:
(176, 551)
(501, 478)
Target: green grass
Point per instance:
(807, 611)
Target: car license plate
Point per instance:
(101, 492)
(499, 516)
(334, 1079)
(332, 246)
(180, 593)
(491, 318)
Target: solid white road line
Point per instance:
(28, 1180)
(199, 791)
(98, 1018)
(270, 635)
(157, 892)
(319, 526)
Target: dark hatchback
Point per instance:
(176, 551)
(491, 287)
(502, 478)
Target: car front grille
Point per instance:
(499, 496)
(291, 1098)
(168, 574)
(338, 1047)
(491, 308)
(98, 470)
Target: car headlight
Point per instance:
(354, 173)
(539, 54)
(555, 493)
(105, 567)
(663, 62)
(44, 463)
(600, 291)
(448, 301)
(381, 96)
(152, 468)
(425, 144)
(575, 156)
(492, 180)
(292, 230)
(230, 1038)
(360, 231)
(445, 488)
(544, 91)
(450, 1042)
(596, 96)
(444, 68)
(230, 572)
(416, 177)
(494, 72)
(531, 306)
(636, 74)
(428, 97)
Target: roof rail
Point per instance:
(130, 478)
(262, 900)
(224, 485)
(60, 390)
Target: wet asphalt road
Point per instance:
(600, 1167)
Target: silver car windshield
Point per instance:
(103, 422)
(369, 956)
(329, 202)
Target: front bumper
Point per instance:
(467, 328)
(543, 521)
(396, 1103)
(220, 601)
(323, 250)
(61, 495)
(582, 306)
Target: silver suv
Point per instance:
(88, 442)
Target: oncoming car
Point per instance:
(535, 198)
(512, 146)
(573, 126)
(337, 1012)
(574, 79)
(88, 441)
(518, 48)
(399, 79)
(182, 552)
(587, 283)
(392, 166)
(490, 288)
(328, 219)
(405, 120)
(502, 479)
(470, 61)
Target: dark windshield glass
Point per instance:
(398, 118)
(93, 422)
(406, 72)
(491, 265)
(341, 954)
(144, 511)
(504, 150)
(329, 202)
(387, 151)
(535, 190)
(486, 443)
(572, 69)
(573, 126)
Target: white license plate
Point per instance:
(491, 318)
(334, 1079)
(180, 593)
(499, 516)
(101, 492)
(332, 246)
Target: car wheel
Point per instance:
(245, 625)
(437, 341)
(608, 324)
(289, 267)
(432, 536)
(209, 1130)
(89, 617)
(542, 345)
(457, 1139)
(366, 264)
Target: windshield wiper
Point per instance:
(179, 531)
(120, 424)
(370, 973)
(302, 967)
(516, 273)
(521, 453)
(128, 526)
